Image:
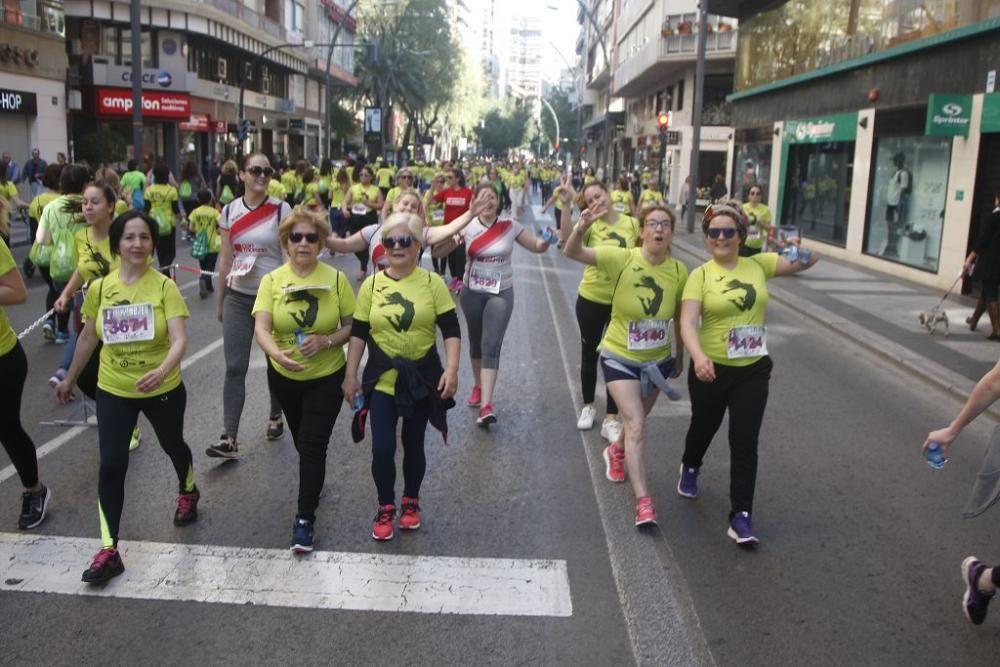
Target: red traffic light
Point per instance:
(663, 119)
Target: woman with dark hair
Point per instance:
(228, 187)
(191, 183)
(138, 314)
(162, 205)
(457, 198)
(983, 264)
(325, 181)
(360, 209)
(8, 191)
(50, 185)
(336, 195)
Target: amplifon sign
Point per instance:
(118, 102)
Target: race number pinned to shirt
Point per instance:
(242, 265)
(292, 289)
(747, 341)
(753, 233)
(438, 216)
(619, 206)
(484, 280)
(647, 334)
(128, 324)
(359, 209)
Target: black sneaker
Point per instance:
(275, 428)
(187, 508)
(106, 565)
(225, 449)
(302, 536)
(974, 602)
(33, 507)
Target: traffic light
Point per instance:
(244, 130)
(663, 121)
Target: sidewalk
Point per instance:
(879, 312)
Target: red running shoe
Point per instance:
(645, 513)
(187, 508)
(382, 528)
(409, 518)
(486, 415)
(614, 462)
(106, 565)
(475, 398)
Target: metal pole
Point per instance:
(135, 18)
(699, 84)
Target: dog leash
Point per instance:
(948, 293)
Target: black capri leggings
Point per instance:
(16, 442)
(383, 416)
(593, 318)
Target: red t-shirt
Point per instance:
(456, 202)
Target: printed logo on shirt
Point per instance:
(749, 298)
(617, 238)
(307, 317)
(403, 320)
(650, 306)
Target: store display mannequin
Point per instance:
(897, 198)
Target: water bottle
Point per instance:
(547, 235)
(934, 456)
(805, 255)
(359, 401)
(299, 337)
(791, 253)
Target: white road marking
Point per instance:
(276, 578)
(64, 437)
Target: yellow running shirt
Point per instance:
(402, 315)
(645, 302)
(8, 339)
(37, 204)
(93, 258)
(648, 198)
(161, 197)
(384, 177)
(132, 322)
(206, 218)
(314, 303)
(596, 286)
(276, 189)
(621, 201)
(732, 303)
(358, 193)
(756, 214)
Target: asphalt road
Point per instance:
(859, 560)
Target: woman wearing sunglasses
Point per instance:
(759, 219)
(636, 352)
(722, 323)
(302, 319)
(249, 250)
(606, 227)
(360, 209)
(398, 313)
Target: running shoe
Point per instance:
(33, 508)
(645, 513)
(275, 428)
(614, 462)
(106, 565)
(486, 415)
(187, 508)
(61, 338)
(57, 377)
(687, 485)
(202, 290)
(741, 529)
(302, 536)
(382, 528)
(48, 333)
(587, 416)
(476, 397)
(225, 449)
(611, 429)
(135, 440)
(409, 518)
(974, 602)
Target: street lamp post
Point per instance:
(329, 60)
(699, 84)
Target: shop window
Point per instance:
(817, 190)
(906, 200)
(752, 166)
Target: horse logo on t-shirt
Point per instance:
(402, 321)
(652, 305)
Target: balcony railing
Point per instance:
(44, 16)
(251, 18)
(675, 45)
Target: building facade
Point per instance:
(873, 125)
(601, 111)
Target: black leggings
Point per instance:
(355, 224)
(456, 262)
(116, 418)
(742, 389)
(383, 416)
(16, 442)
(311, 408)
(166, 249)
(207, 263)
(592, 318)
(440, 264)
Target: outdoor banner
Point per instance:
(118, 102)
(838, 127)
(948, 116)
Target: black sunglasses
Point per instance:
(716, 232)
(391, 242)
(256, 171)
(296, 237)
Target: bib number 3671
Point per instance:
(747, 341)
(128, 324)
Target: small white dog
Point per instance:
(930, 319)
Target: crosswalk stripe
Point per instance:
(276, 578)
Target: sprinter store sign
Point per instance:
(118, 102)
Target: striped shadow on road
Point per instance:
(275, 578)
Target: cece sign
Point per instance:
(18, 102)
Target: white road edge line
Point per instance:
(275, 578)
(64, 437)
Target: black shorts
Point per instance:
(613, 374)
(989, 290)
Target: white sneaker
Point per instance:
(611, 429)
(587, 416)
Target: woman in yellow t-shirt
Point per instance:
(8, 192)
(14, 370)
(302, 319)
(338, 191)
(722, 324)
(636, 353)
(161, 203)
(398, 313)
(621, 197)
(360, 209)
(138, 314)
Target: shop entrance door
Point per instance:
(987, 187)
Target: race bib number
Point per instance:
(438, 216)
(128, 324)
(242, 264)
(292, 289)
(747, 341)
(753, 233)
(484, 280)
(647, 334)
(359, 209)
(620, 206)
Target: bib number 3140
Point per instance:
(647, 334)
(128, 324)
(747, 341)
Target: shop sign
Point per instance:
(839, 127)
(948, 116)
(296, 125)
(991, 113)
(198, 122)
(220, 127)
(118, 102)
(108, 74)
(18, 102)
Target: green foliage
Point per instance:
(343, 123)
(504, 128)
(102, 146)
(568, 126)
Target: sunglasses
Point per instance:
(296, 237)
(716, 232)
(256, 171)
(391, 242)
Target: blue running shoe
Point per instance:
(974, 602)
(302, 536)
(741, 530)
(687, 485)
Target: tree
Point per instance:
(558, 99)
(102, 146)
(504, 127)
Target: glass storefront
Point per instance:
(751, 166)
(907, 199)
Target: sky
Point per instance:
(560, 27)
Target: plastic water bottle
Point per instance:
(359, 401)
(299, 337)
(791, 253)
(805, 255)
(935, 456)
(547, 235)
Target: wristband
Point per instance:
(329, 342)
